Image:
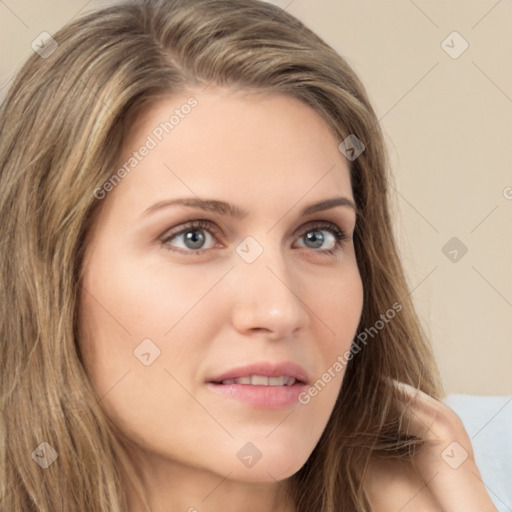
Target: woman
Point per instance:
(203, 306)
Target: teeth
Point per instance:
(261, 380)
(277, 381)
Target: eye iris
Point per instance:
(194, 239)
(315, 237)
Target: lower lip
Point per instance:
(264, 397)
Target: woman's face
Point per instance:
(170, 308)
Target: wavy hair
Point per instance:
(63, 125)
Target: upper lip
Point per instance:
(266, 369)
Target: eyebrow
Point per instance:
(224, 208)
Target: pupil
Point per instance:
(313, 237)
(194, 239)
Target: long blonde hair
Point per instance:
(63, 126)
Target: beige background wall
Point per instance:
(448, 122)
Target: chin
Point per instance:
(273, 464)
(268, 472)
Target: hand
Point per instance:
(446, 461)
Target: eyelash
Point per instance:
(340, 236)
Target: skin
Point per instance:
(443, 475)
(207, 313)
(271, 155)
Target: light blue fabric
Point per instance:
(488, 421)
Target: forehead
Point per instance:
(261, 146)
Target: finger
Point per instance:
(427, 417)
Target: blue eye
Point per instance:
(194, 235)
(315, 237)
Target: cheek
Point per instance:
(152, 296)
(136, 372)
(339, 305)
(338, 310)
(145, 329)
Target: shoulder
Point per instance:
(394, 484)
(433, 480)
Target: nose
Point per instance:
(268, 297)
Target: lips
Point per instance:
(263, 374)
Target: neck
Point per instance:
(174, 487)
